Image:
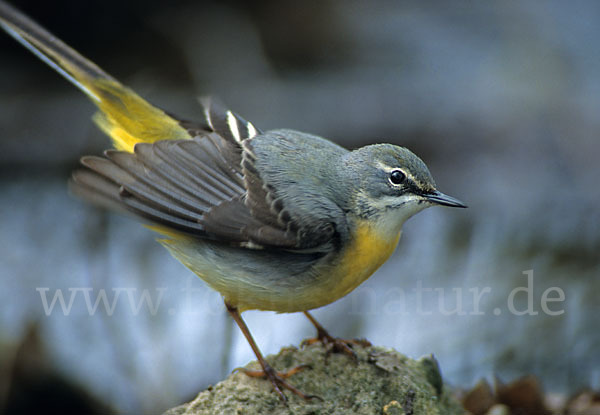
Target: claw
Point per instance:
(261, 373)
(337, 345)
(278, 381)
(333, 344)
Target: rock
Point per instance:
(382, 381)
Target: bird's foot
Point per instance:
(278, 380)
(336, 344)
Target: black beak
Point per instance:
(444, 200)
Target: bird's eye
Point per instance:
(397, 177)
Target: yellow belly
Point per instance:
(329, 279)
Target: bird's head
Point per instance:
(391, 184)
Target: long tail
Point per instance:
(125, 116)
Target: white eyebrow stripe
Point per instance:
(233, 126)
(389, 169)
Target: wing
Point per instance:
(207, 186)
(210, 186)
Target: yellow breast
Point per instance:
(367, 251)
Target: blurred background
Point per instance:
(501, 100)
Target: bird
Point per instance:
(277, 220)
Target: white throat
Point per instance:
(389, 223)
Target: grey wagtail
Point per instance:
(278, 220)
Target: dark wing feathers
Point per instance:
(201, 173)
(150, 185)
(134, 189)
(211, 156)
(102, 192)
(233, 221)
(167, 183)
(176, 174)
(207, 186)
(95, 188)
(227, 221)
